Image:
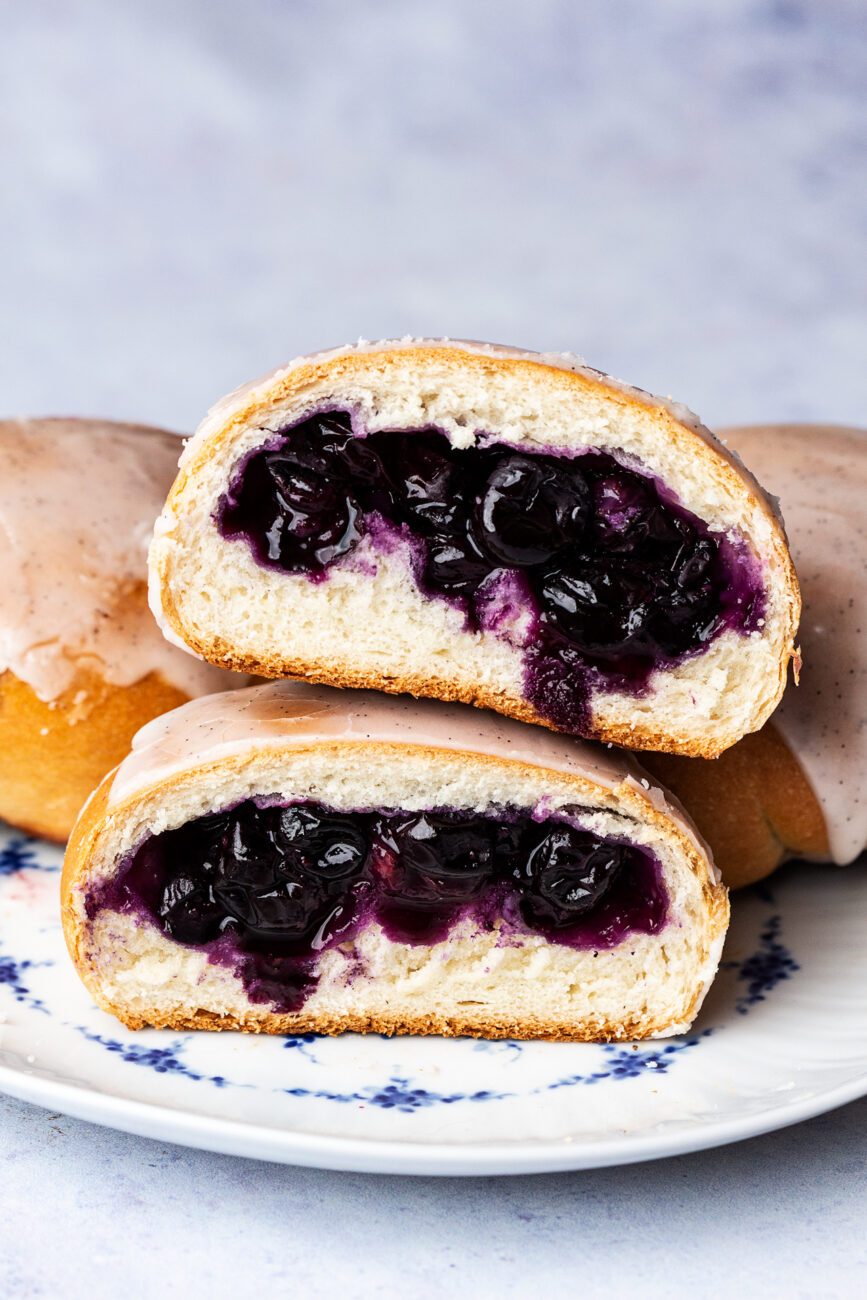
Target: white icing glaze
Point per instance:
(239, 722)
(820, 474)
(77, 503)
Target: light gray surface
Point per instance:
(781, 1217)
(194, 191)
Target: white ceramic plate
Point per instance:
(782, 1036)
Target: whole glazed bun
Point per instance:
(373, 616)
(82, 664)
(796, 788)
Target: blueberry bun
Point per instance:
(290, 858)
(472, 523)
(82, 664)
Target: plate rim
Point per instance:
(385, 1156)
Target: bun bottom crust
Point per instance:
(54, 754)
(445, 1026)
(456, 690)
(754, 805)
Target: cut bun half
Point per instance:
(474, 523)
(296, 859)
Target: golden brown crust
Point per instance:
(753, 805)
(447, 1027)
(52, 755)
(457, 690)
(635, 732)
(78, 850)
(91, 836)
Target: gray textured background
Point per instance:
(192, 192)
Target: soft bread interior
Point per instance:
(368, 625)
(473, 982)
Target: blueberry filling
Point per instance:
(617, 576)
(264, 890)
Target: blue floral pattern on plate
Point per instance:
(768, 965)
(163, 1060)
(383, 1088)
(19, 854)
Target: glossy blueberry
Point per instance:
(288, 910)
(189, 911)
(426, 482)
(455, 565)
(599, 604)
(314, 522)
(531, 507)
(628, 517)
(245, 852)
(437, 857)
(291, 502)
(329, 847)
(262, 873)
(567, 874)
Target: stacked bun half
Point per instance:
(474, 525)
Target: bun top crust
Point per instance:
(247, 397)
(820, 473)
(77, 504)
(544, 402)
(291, 714)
